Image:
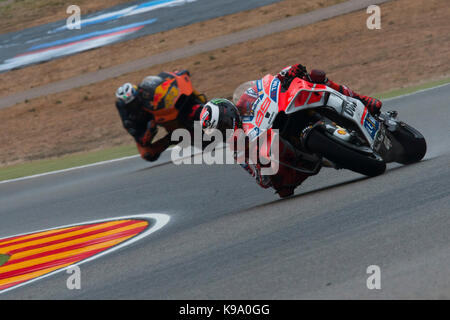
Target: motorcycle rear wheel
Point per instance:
(329, 147)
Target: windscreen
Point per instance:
(244, 96)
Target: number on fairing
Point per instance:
(262, 111)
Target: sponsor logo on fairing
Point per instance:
(247, 118)
(259, 87)
(274, 89)
(252, 93)
(256, 104)
(349, 108)
(372, 126)
(253, 134)
(271, 117)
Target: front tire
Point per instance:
(326, 145)
(413, 144)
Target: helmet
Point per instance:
(157, 92)
(220, 114)
(127, 92)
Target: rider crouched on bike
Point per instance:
(168, 100)
(318, 76)
(222, 114)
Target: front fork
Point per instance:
(386, 145)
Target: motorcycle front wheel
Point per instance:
(413, 144)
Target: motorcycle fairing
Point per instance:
(265, 108)
(309, 96)
(303, 95)
(354, 110)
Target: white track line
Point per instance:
(418, 91)
(69, 169)
(91, 165)
(137, 156)
(160, 218)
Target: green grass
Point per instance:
(3, 259)
(69, 161)
(399, 92)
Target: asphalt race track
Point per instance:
(119, 23)
(230, 239)
(161, 58)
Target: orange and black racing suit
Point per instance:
(141, 123)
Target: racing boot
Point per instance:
(151, 152)
(285, 192)
(287, 179)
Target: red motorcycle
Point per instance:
(329, 128)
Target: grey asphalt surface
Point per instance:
(191, 50)
(230, 239)
(15, 43)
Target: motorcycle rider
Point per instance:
(320, 77)
(222, 114)
(168, 100)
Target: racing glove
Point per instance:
(297, 71)
(130, 127)
(290, 73)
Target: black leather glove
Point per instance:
(132, 132)
(130, 127)
(128, 124)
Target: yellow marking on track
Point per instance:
(39, 234)
(74, 255)
(65, 254)
(55, 257)
(27, 253)
(30, 276)
(61, 236)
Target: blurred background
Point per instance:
(57, 85)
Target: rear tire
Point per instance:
(327, 146)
